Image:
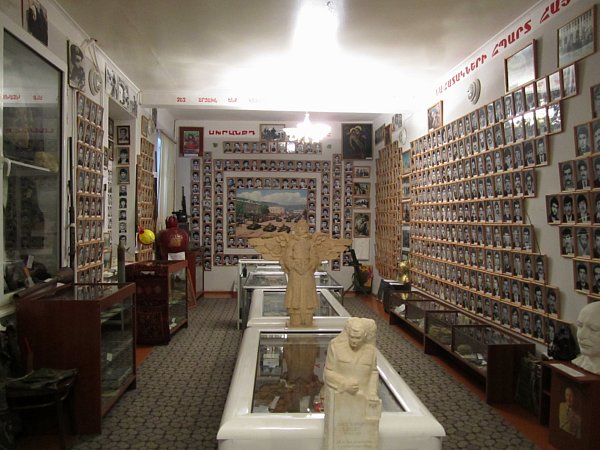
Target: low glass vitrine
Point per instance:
(493, 354)
(274, 279)
(274, 399)
(439, 324)
(267, 308)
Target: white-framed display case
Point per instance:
(267, 309)
(32, 161)
(274, 399)
(269, 277)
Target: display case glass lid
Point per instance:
(266, 279)
(289, 374)
(93, 291)
(273, 305)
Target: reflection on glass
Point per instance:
(31, 176)
(289, 374)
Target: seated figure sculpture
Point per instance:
(352, 405)
(300, 254)
(588, 338)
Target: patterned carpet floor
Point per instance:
(182, 388)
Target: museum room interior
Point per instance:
(169, 169)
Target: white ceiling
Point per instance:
(387, 50)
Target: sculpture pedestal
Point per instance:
(353, 423)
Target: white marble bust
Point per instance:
(588, 338)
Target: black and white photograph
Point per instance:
(576, 39)
(123, 137)
(35, 20)
(76, 67)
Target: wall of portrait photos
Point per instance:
(88, 190)
(229, 188)
(491, 222)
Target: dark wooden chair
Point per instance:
(35, 389)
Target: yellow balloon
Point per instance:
(146, 237)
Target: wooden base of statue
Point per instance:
(352, 424)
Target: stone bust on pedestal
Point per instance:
(588, 338)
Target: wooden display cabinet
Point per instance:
(89, 327)
(569, 403)
(162, 289)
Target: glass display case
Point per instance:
(161, 300)
(267, 309)
(89, 327)
(274, 278)
(439, 324)
(279, 404)
(30, 156)
(410, 307)
(289, 374)
(492, 354)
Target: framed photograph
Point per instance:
(541, 89)
(581, 275)
(123, 156)
(361, 189)
(76, 66)
(595, 96)
(530, 97)
(569, 80)
(123, 175)
(582, 139)
(595, 136)
(191, 141)
(554, 118)
(379, 134)
(406, 162)
(555, 85)
(435, 117)
(357, 140)
(362, 172)
(362, 224)
(272, 132)
(123, 136)
(520, 67)
(396, 122)
(35, 20)
(144, 126)
(567, 180)
(576, 39)
(362, 203)
(567, 244)
(387, 135)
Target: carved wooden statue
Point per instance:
(300, 254)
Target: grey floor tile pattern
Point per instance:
(182, 388)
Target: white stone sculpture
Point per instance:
(588, 338)
(352, 405)
(300, 254)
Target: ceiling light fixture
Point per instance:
(306, 131)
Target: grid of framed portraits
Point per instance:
(469, 234)
(576, 210)
(146, 196)
(221, 225)
(272, 146)
(88, 187)
(389, 213)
